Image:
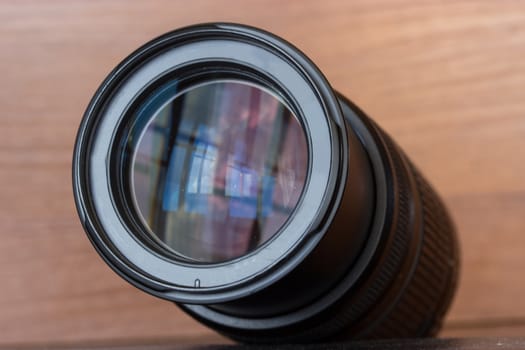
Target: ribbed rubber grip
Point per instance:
(415, 308)
(422, 305)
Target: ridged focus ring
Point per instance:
(422, 304)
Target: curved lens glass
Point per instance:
(218, 170)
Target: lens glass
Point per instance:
(218, 169)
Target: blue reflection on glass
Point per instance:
(241, 183)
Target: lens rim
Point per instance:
(245, 48)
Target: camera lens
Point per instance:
(216, 167)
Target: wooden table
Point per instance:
(445, 78)
(404, 344)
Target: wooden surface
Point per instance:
(445, 78)
(394, 344)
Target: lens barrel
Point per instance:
(216, 167)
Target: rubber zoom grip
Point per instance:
(423, 303)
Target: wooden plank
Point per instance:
(485, 328)
(445, 79)
(504, 343)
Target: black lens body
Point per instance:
(368, 251)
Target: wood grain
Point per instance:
(446, 79)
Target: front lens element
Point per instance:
(218, 170)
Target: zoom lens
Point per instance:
(215, 167)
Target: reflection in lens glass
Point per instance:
(218, 170)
